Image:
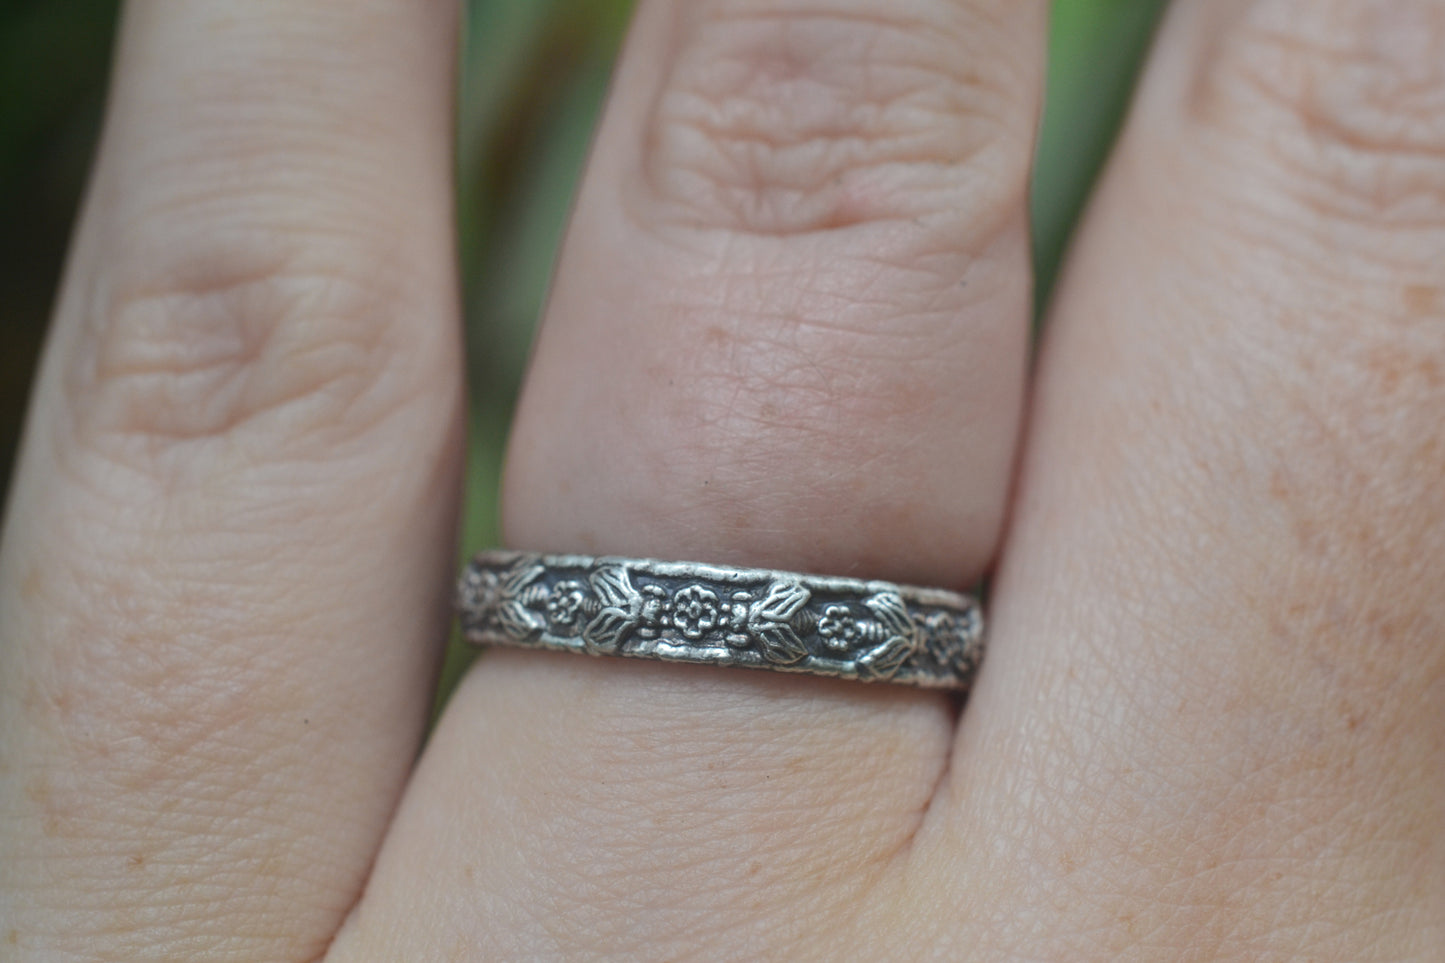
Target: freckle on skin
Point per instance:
(1422, 299)
(38, 792)
(1387, 368)
(1430, 370)
(1307, 534)
(32, 584)
(909, 399)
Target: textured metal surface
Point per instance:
(752, 618)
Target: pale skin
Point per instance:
(789, 328)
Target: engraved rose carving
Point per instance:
(565, 602)
(840, 628)
(694, 611)
(945, 637)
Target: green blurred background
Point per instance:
(533, 78)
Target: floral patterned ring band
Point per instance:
(753, 618)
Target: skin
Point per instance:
(788, 329)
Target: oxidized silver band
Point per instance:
(754, 618)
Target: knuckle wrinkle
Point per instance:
(1351, 98)
(781, 119)
(208, 346)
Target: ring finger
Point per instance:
(788, 330)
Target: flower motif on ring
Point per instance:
(946, 639)
(484, 589)
(839, 628)
(694, 611)
(564, 603)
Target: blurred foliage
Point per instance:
(1095, 50)
(533, 78)
(53, 60)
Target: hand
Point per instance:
(788, 329)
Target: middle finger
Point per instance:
(1212, 722)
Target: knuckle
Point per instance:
(289, 334)
(1347, 100)
(804, 118)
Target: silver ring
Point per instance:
(718, 615)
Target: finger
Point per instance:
(225, 561)
(788, 330)
(1212, 725)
